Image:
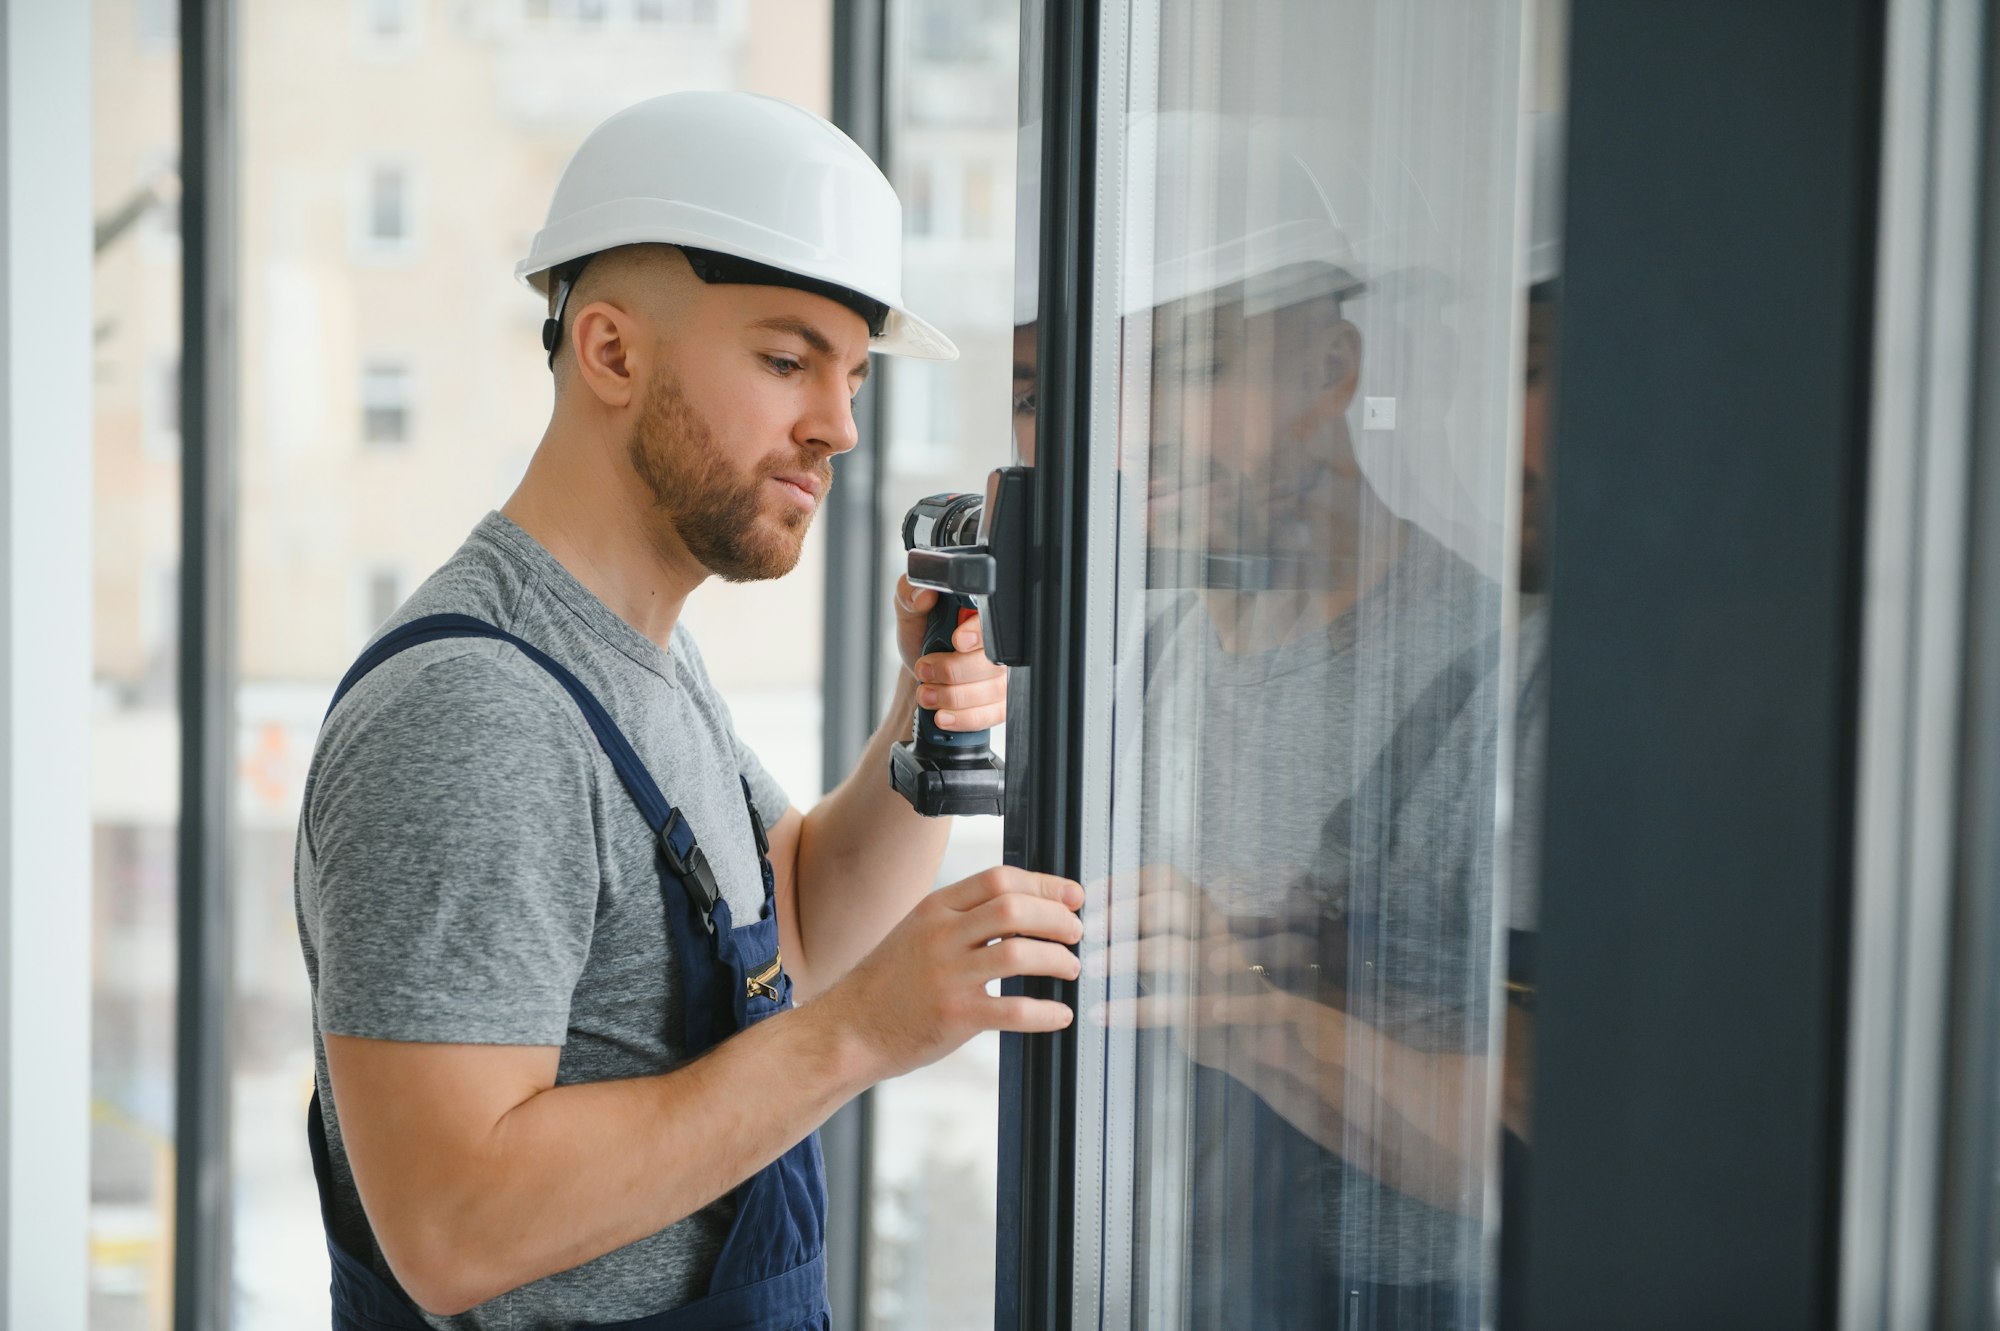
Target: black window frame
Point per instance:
(850, 682)
(203, 1248)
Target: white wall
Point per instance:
(45, 454)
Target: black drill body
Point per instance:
(941, 771)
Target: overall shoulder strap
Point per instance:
(677, 840)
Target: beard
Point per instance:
(715, 513)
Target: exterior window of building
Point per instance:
(388, 204)
(159, 23)
(387, 209)
(161, 230)
(375, 593)
(919, 200)
(591, 11)
(388, 19)
(387, 28)
(385, 593)
(385, 404)
(159, 631)
(162, 410)
(649, 11)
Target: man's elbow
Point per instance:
(443, 1273)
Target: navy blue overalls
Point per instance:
(771, 1272)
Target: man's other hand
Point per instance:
(922, 993)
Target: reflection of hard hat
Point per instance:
(1236, 206)
(746, 178)
(1243, 207)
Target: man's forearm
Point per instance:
(865, 857)
(577, 1171)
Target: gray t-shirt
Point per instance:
(471, 871)
(1339, 789)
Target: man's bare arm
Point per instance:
(863, 857)
(858, 862)
(479, 1174)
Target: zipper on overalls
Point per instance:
(765, 981)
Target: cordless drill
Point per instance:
(941, 771)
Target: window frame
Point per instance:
(1036, 1277)
(203, 1280)
(854, 625)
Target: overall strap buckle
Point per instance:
(691, 867)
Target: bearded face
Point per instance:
(1249, 451)
(738, 525)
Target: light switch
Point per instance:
(1378, 413)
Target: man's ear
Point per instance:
(1340, 371)
(604, 339)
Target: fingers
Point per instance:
(1018, 914)
(967, 691)
(968, 720)
(960, 667)
(967, 637)
(1030, 1016)
(1025, 956)
(984, 700)
(1004, 880)
(912, 599)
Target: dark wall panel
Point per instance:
(1707, 546)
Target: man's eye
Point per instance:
(783, 365)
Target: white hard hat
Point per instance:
(735, 177)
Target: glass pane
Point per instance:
(135, 740)
(1311, 289)
(393, 389)
(951, 136)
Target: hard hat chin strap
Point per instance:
(565, 279)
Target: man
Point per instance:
(560, 1078)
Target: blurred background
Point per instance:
(1668, 951)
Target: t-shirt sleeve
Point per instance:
(455, 858)
(765, 792)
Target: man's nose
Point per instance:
(831, 423)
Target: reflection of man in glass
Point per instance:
(1311, 919)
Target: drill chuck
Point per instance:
(942, 521)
